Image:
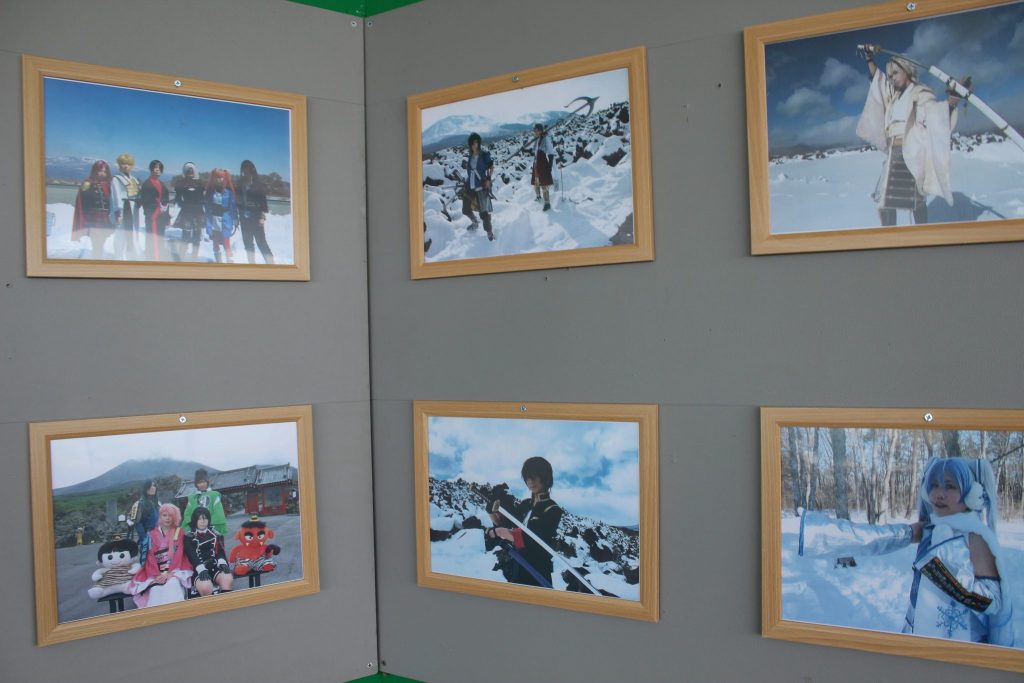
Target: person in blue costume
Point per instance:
(476, 189)
(958, 590)
(221, 213)
(144, 516)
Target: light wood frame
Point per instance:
(41, 434)
(773, 625)
(38, 264)
(642, 249)
(646, 416)
(762, 240)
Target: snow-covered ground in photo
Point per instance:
(59, 244)
(592, 197)
(833, 192)
(875, 594)
(463, 555)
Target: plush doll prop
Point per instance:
(118, 560)
(255, 554)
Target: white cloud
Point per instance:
(1017, 42)
(964, 51)
(932, 42)
(839, 131)
(858, 92)
(615, 440)
(837, 74)
(609, 507)
(493, 451)
(805, 101)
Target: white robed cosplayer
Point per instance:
(957, 591)
(903, 119)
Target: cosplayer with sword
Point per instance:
(537, 516)
(902, 118)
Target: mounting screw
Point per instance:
(515, 79)
(928, 417)
(182, 419)
(177, 84)
(911, 6)
(369, 23)
(522, 408)
(369, 665)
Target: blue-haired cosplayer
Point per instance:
(957, 591)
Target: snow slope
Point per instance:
(607, 556)
(593, 200)
(832, 190)
(59, 244)
(875, 594)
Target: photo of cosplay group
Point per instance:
(190, 531)
(137, 214)
(144, 176)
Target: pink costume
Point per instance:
(166, 553)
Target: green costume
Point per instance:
(210, 500)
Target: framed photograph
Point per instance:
(142, 520)
(895, 530)
(139, 175)
(544, 503)
(893, 125)
(544, 168)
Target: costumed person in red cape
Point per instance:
(543, 162)
(92, 209)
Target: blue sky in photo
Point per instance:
(816, 87)
(101, 121)
(596, 464)
(608, 86)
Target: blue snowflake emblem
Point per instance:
(952, 619)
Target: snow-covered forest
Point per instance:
(876, 472)
(872, 475)
(592, 201)
(607, 556)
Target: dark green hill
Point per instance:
(132, 473)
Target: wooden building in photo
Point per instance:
(267, 489)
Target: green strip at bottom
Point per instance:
(384, 678)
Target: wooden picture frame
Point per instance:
(258, 462)
(78, 117)
(826, 593)
(602, 210)
(624, 574)
(817, 136)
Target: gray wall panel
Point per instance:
(707, 331)
(74, 348)
(119, 339)
(259, 43)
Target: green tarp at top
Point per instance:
(358, 8)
